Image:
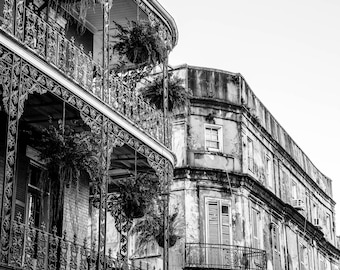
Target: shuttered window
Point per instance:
(255, 226)
(276, 245)
(303, 257)
(213, 230)
(225, 224)
(250, 155)
(218, 222)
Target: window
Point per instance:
(218, 230)
(294, 190)
(213, 138)
(269, 172)
(276, 245)
(250, 155)
(315, 217)
(256, 227)
(218, 222)
(303, 257)
(37, 197)
(328, 226)
(34, 196)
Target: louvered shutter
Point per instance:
(276, 246)
(255, 228)
(225, 224)
(213, 232)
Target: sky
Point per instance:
(289, 53)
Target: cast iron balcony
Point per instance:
(214, 256)
(33, 248)
(49, 42)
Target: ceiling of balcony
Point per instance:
(41, 111)
(121, 11)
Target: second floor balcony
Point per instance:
(51, 40)
(215, 256)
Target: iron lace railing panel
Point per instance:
(202, 255)
(50, 43)
(33, 248)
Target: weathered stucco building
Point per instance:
(242, 185)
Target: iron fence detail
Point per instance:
(202, 255)
(33, 249)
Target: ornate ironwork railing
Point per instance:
(202, 255)
(49, 42)
(33, 248)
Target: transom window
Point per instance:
(213, 138)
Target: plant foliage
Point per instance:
(178, 97)
(140, 43)
(137, 193)
(68, 153)
(151, 227)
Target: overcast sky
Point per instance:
(289, 53)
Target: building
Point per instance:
(248, 197)
(50, 74)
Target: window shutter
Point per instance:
(255, 229)
(225, 224)
(276, 246)
(213, 223)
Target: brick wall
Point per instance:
(76, 209)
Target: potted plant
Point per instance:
(153, 91)
(67, 154)
(151, 227)
(137, 193)
(139, 43)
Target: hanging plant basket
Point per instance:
(133, 209)
(151, 228)
(160, 240)
(139, 43)
(67, 153)
(137, 193)
(178, 97)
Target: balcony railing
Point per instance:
(201, 255)
(48, 41)
(33, 248)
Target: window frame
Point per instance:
(256, 215)
(250, 154)
(219, 140)
(269, 172)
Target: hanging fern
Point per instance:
(140, 43)
(68, 153)
(151, 227)
(137, 193)
(178, 97)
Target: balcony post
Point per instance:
(105, 155)
(167, 188)
(12, 97)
